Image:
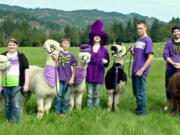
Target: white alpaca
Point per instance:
(80, 81)
(44, 82)
(4, 65)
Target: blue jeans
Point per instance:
(93, 93)
(62, 99)
(12, 96)
(139, 90)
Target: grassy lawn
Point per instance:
(97, 121)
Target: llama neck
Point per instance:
(119, 60)
(50, 61)
(82, 65)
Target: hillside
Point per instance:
(56, 19)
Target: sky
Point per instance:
(163, 10)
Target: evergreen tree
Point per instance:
(67, 31)
(155, 31)
(129, 33)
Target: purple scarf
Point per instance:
(50, 75)
(80, 75)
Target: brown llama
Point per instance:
(174, 87)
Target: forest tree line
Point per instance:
(32, 36)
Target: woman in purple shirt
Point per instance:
(99, 60)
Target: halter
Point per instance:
(116, 74)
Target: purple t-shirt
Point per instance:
(142, 48)
(66, 60)
(170, 52)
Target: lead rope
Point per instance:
(129, 67)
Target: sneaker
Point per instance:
(166, 108)
(61, 115)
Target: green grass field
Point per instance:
(97, 121)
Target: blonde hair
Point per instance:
(13, 40)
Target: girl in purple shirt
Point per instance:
(99, 60)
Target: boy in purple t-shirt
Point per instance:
(171, 55)
(143, 55)
(66, 60)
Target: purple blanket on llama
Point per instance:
(50, 75)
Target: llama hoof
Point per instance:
(78, 107)
(70, 109)
(108, 109)
(46, 112)
(39, 115)
(116, 108)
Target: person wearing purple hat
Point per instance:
(171, 55)
(99, 60)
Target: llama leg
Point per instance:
(71, 101)
(47, 104)
(1, 103)
(174, 106)
(109, 99)
(117, 98)
(25, 99)
(120, 89)
(78, 100)
(40, 106)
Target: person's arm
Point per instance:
(71, 81)
(147, 63)
(106, 59)
(170, 61)
(26, 81)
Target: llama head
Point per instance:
(84, 57)
(4, 63)
(51, 46)
(118, 49)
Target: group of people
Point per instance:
(16, 79)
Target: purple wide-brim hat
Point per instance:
(85, 48)
(97, 29)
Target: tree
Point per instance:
(67, 31)
(129, 33)
(55, 35)
(135, 35)
(155, 31)
(84, 35)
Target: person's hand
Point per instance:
(25, 88)
(176, 65)
(139, 72)
(131, 49)
(53, 56)
(71, 81)
(104, 61)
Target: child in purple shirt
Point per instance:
(171, 55)
(66, 60)
(143, 55)
(99, 60)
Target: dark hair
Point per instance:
(65, 39)
(176, 27)
(13, 40)
(141, 22)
